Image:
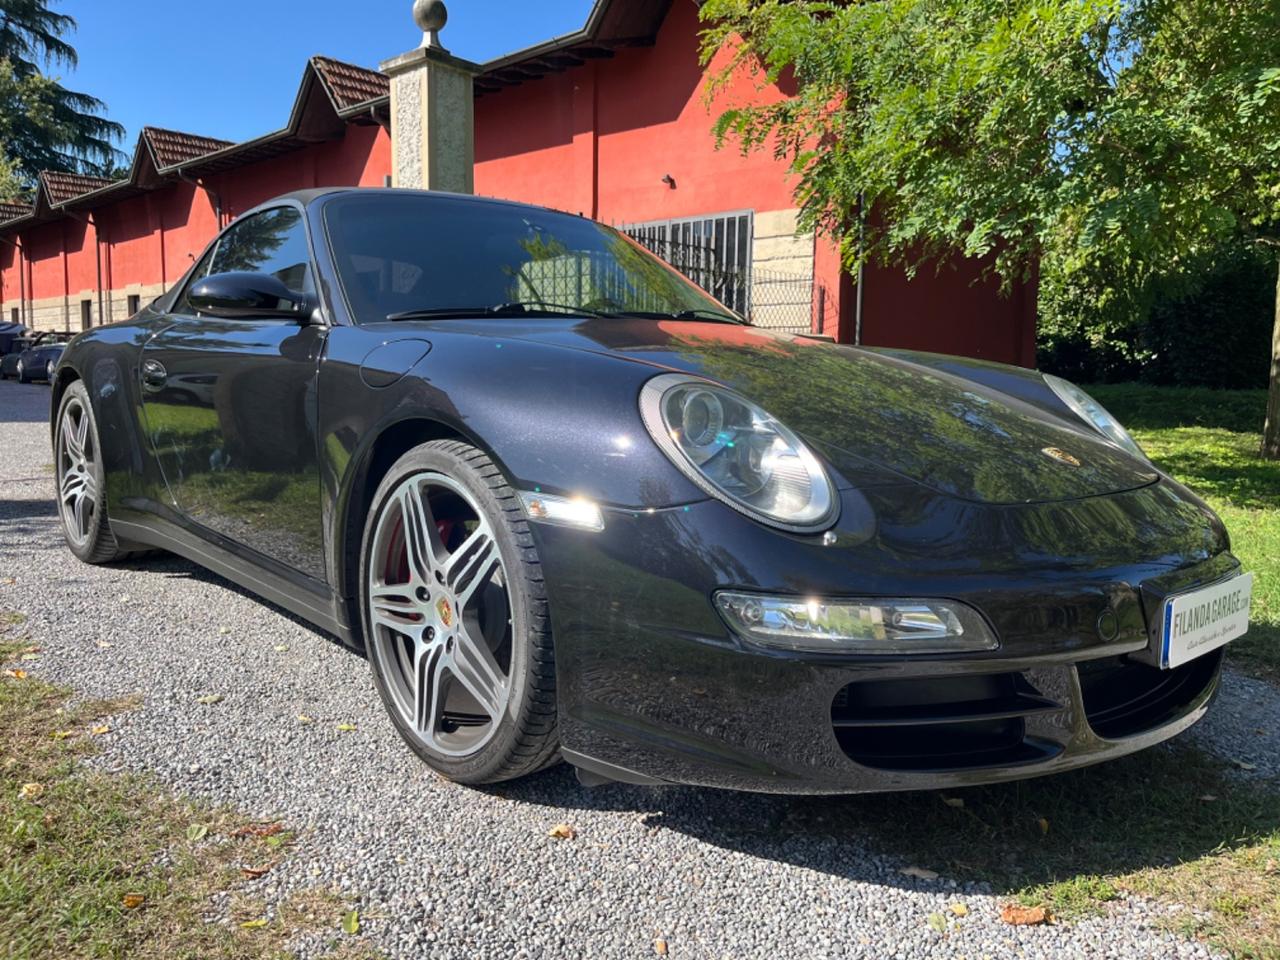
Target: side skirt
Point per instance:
(316, 606)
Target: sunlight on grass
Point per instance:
(99, 866)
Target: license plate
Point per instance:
(1196, 623)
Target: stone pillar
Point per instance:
(432, 111)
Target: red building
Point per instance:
(610, 121)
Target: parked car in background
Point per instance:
(34, 358)
(570, 506)
(10, 332)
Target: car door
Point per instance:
(230, 404)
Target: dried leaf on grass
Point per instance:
(254, 873)
(1020, 916)
(258, 830)
(351, 922)
(132, 901)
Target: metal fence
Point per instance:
(767, 298)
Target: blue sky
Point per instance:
(230, 68)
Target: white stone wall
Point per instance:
(781, 260)
(63, 313)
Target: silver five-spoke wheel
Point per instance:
(440, 614)
(77, 476)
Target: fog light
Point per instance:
(879, 626)
(565, 511)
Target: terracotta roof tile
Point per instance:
(172, 147)
(12, 209)
(351, 85)
(63, 187)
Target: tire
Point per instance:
(22, 372)
(81, 487)
(429, 603)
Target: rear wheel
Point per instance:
(48, 371)
(81, 485)
(22, 372)
(455, 617)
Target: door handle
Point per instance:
(154, 374)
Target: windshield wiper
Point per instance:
(714, 316)
(514, 309)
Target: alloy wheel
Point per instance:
(440, 614)
(48, 371)
(21, 371)
(77, 476)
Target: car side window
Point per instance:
(272, 242)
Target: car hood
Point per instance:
(878, 419)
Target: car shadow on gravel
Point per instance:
(1168, 805)
(23, 403)
(28, 509)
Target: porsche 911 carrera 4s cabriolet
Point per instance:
(571, 506)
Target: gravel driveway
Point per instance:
(450, 871)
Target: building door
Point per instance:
(86, 314)
(230, 404)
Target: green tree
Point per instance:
(1112, 141)
(45, 126)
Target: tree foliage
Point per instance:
(1116, 142)
(43, 125)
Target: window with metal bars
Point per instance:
(714, 252)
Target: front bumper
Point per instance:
(653, 687)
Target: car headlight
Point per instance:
(871, 626)
(1093, 413)
(738, 453)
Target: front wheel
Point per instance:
(455, 617)
(82, 496)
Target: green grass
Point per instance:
(99, 866)
(1209, 439)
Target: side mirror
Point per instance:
(248, 295)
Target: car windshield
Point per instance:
(417, 257)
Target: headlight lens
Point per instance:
(873, 626)
(1093, 413)
(738, 453)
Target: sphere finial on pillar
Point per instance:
(431, 16)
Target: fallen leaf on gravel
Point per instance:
(253, 873)
(351, 922)
(62, 734)
(258, 830)
(197, 832)
(7, 581)
(562, 831)
(1044, 825)
(254, 924)
(224, 630)
(303, 718)
(30, 791)
(16, 674)
(1245, 765)
(99, 730)
(920, 873)
(275, 840)
(346, 727)
(132, 901)
(660, 947)
(209, 699)
(104, 644)
(1019, 916)
(937, 922)
(280, 647)
(960, 909)
(125, 598)
(29, 657)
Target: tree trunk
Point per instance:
(1271, 432)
